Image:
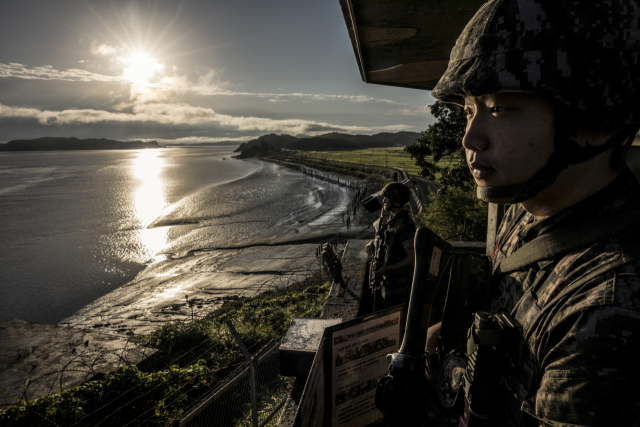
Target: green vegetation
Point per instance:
(454, 211)
(396, 158)
(192, 358)
(443, 139)
(459, 215)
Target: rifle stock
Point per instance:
(433, 255)
(400, 395)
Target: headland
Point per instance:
(54, 143)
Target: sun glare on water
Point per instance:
(150, 201)
(141, 68)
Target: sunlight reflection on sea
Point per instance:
(75, 223)
(149, 202)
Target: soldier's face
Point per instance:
(509, 137)
(386, 204)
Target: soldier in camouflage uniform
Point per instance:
(551, 93)
(396, 255)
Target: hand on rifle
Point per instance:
(370, 248)
(408, 261)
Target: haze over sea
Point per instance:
(75, 223)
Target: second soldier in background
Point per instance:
(392, 249)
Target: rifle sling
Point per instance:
(392, 235)
(567, 239)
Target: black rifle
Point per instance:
(377, 260)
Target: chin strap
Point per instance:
(570, 154)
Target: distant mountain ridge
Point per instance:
(54, 143)
(334, 141)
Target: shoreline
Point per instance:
(184, 289)
(196, 282)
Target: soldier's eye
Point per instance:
(468, 112)
(498, 110)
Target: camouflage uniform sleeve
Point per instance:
(588, 358)
(406, 232)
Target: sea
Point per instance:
(76, 225)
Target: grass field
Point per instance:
(394, 157)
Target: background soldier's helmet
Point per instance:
(398, 193)
(584, 53)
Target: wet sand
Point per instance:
(230, 252)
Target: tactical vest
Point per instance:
(531, 313)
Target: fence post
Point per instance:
(252, 373)
(254, 394)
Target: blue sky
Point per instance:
(188, 71)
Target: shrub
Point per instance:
(448, 213)
(192, 357)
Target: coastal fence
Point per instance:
(173, 386)
(133, 398)
(317, 174)
(251, 396)
(348, 216)
(415, 203)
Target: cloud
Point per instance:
(206, 84)
(415, 111)
(49, 73)
(183, 114)
(103, 49)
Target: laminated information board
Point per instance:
(358, 360)
(352, 357)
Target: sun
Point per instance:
(141, 68)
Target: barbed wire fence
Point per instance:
(251, 396)
(242, 393)
(119, 400)
(220, 397)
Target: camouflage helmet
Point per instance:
(585, 54)
(396, 192)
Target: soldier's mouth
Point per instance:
(480, 171)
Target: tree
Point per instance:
(456, 215)
(258, 150)
(454, 211)
(443, 139)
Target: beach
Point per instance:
(183, 242)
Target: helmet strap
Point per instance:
(570, 153)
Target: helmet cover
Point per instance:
(586, 54)
(398, 193)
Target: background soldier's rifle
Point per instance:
(333, 269)
(379, 259)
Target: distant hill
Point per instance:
(317, 143)
(51, 143)
(198, 144)
(334, 141)
(277, 141)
